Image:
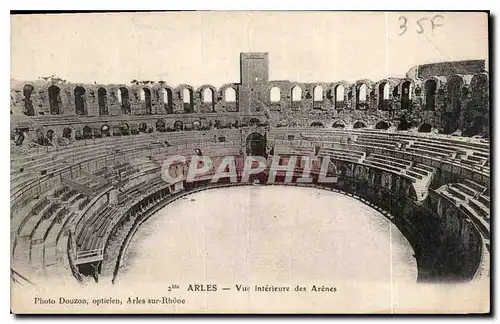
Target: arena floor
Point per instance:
(258, 235)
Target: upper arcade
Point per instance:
(449, 96)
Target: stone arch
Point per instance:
(88, 133)
(296, 93)
(296, 97)
(187, 99)
(361, 95)
(475, 127)
(256, 144)
(476, 115)
(318, 94)
(102, 101)
(80, 104)
(359, 124)
(124, 100)
(196, 125)
(317, 124)
(207, 95)
(406, 94)
(425, 128)
(167, 99)
(403, 124)
(145, 96)
(105, 130)
(254, 121)
(229, 98)
(430, 94)
(275, 94)
(383, 95)
(451, 116)
(160, 126)
(67, 132)
(124, 128)
(382, 125)
(54, 99)
(178, 125)
(339, 124)
(142, 128)
(230, 94)
(339, 91)
(50, 135)
(28, 103)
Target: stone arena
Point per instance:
(86, 162)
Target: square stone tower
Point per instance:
(254, 73)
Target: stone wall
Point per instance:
(457, 102)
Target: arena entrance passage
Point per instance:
(256, 144)
(317, 124)
(382, 125)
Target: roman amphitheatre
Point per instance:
(410, 158)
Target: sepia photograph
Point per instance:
(250, 162)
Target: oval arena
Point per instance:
(86, 160)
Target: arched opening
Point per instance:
(125, 129)
(359, 125)
(296, 97)
(167, 100)
(475, 128)
(361, 92)
(208, 98)
(207, 95)
(405, 95)
(296, 93)
(80, 100)
(403, 123)
(338, 124)
(50, 135)
(67, 132)
(105, 130)
(230, 95)
(178, 125)
(425, 128)
(476, 115)
(317, 124)
(450, 118)
(430, 94)
(383, 96)
(382, 125)
(160, 126)
(143, 128)
(254, 122)
(339, 97)
(196, 125)
(275, 95)
(480, 93)
(187, 99)
(54, 99)
(28, 103)
(102, 101)
(256, 145)
(147, 100)
(317, 96)
(87, 132)
(124, 100)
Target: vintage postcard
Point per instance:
(250, 162)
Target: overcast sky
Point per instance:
(203, 47)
